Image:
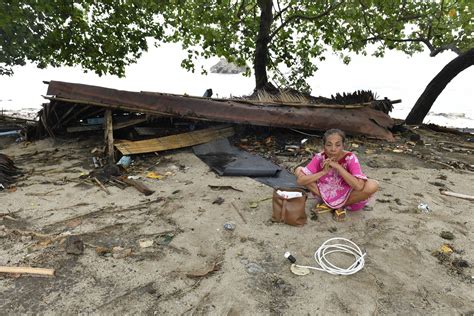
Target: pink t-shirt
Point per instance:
(333, 188)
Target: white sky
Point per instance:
(396, 76)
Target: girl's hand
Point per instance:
(326, 165)
(330, 163)
(333, 164)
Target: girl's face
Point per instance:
(334, 146)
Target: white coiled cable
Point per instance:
(343, 245)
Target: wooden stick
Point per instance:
(458, 195)
(109, 135)
(27, 270)
(238, 212)
(101, 185)
(137, 185)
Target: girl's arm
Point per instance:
(303, 179)
(355, 183)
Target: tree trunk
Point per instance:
(263, 39)
(437, 85)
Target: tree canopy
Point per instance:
(287, 38)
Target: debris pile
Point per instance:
(8, 172)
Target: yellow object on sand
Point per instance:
(446, 249)
(154, 175)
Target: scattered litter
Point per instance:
(74, 245)
(215, 266)
(299, 270)
(424, 208)
(446, 249)
(238, 212)
(166, 239)
(27, 270)
(458, 195)
(447, 235)
(218, 201)
(154, 175)
(145, 243)
(102, 251)
(223, 187)
(229, 226)
(120, 252)
(125, 161)
(133, 177)
(96, 162)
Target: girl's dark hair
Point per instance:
(331, 131)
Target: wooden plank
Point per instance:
(28, 270)
(109, 135)
(173, 141)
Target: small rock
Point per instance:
(120, 252)
(26, 238)
(218, 201)
(74, 245)
(102, 251)
(447, 235)
(332, 229)
(460, 263)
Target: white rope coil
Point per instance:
(342, 245)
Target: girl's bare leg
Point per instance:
(312, 187)
(370, 187)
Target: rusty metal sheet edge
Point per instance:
(358, 121)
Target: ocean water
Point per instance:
(396, 76)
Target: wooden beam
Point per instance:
(173, 141)
(109, 135)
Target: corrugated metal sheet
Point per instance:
(361, 120)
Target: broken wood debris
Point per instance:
(361, 120)
(458, 195)
(238, 212)
(173, 141)
(8, 171)
(27, 270)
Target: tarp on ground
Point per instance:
(228, 160)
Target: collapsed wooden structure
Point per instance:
(73, 107)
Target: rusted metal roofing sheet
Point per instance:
(361, 120)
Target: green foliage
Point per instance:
(105, 36)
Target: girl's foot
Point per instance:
(339, 215)
(320, 208)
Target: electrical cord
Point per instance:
(343, 245)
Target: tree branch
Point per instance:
(450, 46)
(305, 17)
(433, 51)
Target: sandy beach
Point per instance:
(175, 256)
